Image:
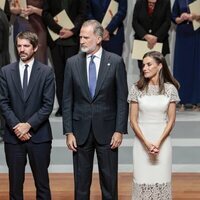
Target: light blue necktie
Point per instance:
(92, 76)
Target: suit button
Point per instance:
(150, 31)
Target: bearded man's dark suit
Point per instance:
(95, 118)
(34, 108)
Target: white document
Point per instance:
(195, 8)
(2, 4)
(63, 20)
(140, 48)
(110, 13)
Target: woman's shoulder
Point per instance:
(169, 86)
(134, 87)
(133, 93)
(172, 92)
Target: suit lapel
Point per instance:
(103, 70)
(16, 79)
(33, 78)
(82, 72)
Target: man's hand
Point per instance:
(21, 129)
(116, 140)
(25, 137)
(71, 142)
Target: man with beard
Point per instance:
(95, 111)
(27, 92)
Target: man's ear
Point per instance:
(35, 49)
(99, 39)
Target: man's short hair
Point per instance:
(98, 29)
(30, 36)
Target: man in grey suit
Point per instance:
(95, 111)
(27, 92)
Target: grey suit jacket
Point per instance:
(35, 108)
(107, 111)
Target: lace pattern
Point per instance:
(158, 191)
(170, 91)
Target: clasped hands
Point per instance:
(189, 17)
(29, 10)
(21, 130)
(153, 149)
(151, 40)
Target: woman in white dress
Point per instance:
(152, 116)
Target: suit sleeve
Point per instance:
(46, 108)
(67, 99)
(5, 102)
(1, 36)
(175, 11)
(81, 16)
(49, 19)
(118, 18)
(122, 94)
(138, 27)
(162, 31)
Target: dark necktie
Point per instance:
(25, 80)
(92, 76)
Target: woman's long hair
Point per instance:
(165, 75)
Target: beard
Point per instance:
(25, 57)
(88, 50)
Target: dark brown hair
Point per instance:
(30, 36)
(165, 75)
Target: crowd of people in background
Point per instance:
(151, 22)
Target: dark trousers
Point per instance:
(39, 159)
(83, 166)
(59, 56)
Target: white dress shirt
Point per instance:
(97, 61)
(22, 67)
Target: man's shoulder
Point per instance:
(74, 58)
(112, 56)
(42, 65)
(9, 66)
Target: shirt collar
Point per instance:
(97, 54)
(30, 63)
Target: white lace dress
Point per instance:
(152, 174)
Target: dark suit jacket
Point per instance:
(35, 108)
(97, 10)
(76, 10)
(107, 112)
(4, 39)
(158, 24)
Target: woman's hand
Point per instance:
(152, 149)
